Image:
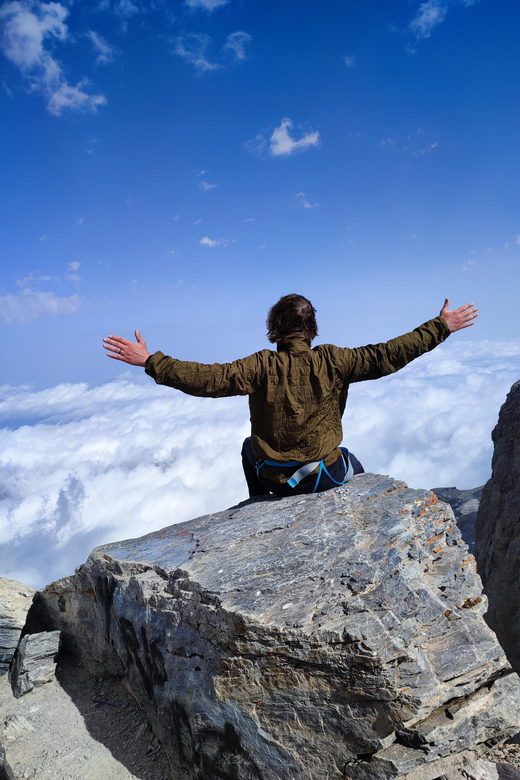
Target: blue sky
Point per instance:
(178, 166)
(134, 131)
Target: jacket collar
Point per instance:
(295, 346)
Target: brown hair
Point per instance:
(291, 317)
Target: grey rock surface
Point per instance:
(465, 504)
(336, 635)
(483, 770)
(497, 548)
(33, 662)
(15, 600)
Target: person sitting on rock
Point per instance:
(297, 394)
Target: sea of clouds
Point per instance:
(82, 466)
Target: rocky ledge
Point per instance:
(337, 635)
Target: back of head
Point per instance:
(292, 317)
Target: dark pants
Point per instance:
(260, 486)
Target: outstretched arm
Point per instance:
(376, 360)
(127, 351)
(458, 318)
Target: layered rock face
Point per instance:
(498, 530)
(15, 601)
(337, 635)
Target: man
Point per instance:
(297, 395)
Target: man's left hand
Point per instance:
(458, 318)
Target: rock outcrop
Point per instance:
(465, 504)
(498, 530)
(15, 601)
(337, 635)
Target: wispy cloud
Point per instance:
(206, 5)
(350, 60)
(30, 305)
(237, 46)
(281, 143)
(429, 15)
(105, 51)
(304, 202)
(29, 27)
(194, 48)
(414, 145)
(206, 185)
(36, 278)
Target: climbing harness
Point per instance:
(307, 468)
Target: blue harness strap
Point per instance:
(307, 468)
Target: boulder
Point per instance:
(465, 504)
(497, 548)
(33, 662)
(336, 635)
(15, 600)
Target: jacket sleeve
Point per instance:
(376, 360)
(208, 381)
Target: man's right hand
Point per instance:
(458, 318)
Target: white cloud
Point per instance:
(28, 27)
(206, 241)
(84, 466)
(32, 304)
(105, 51)
(304, 202)
(350, 60)
(196, 222)
(517, 240)
(43, 238)
(74, 265)
(205, 186)
(283, 145)
(429, 15)
(206, 5)
(237, 45)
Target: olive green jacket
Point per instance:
(297, 395)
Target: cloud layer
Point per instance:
(82, 466)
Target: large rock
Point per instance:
(310, 638)
(498, 530)
(15, 601)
